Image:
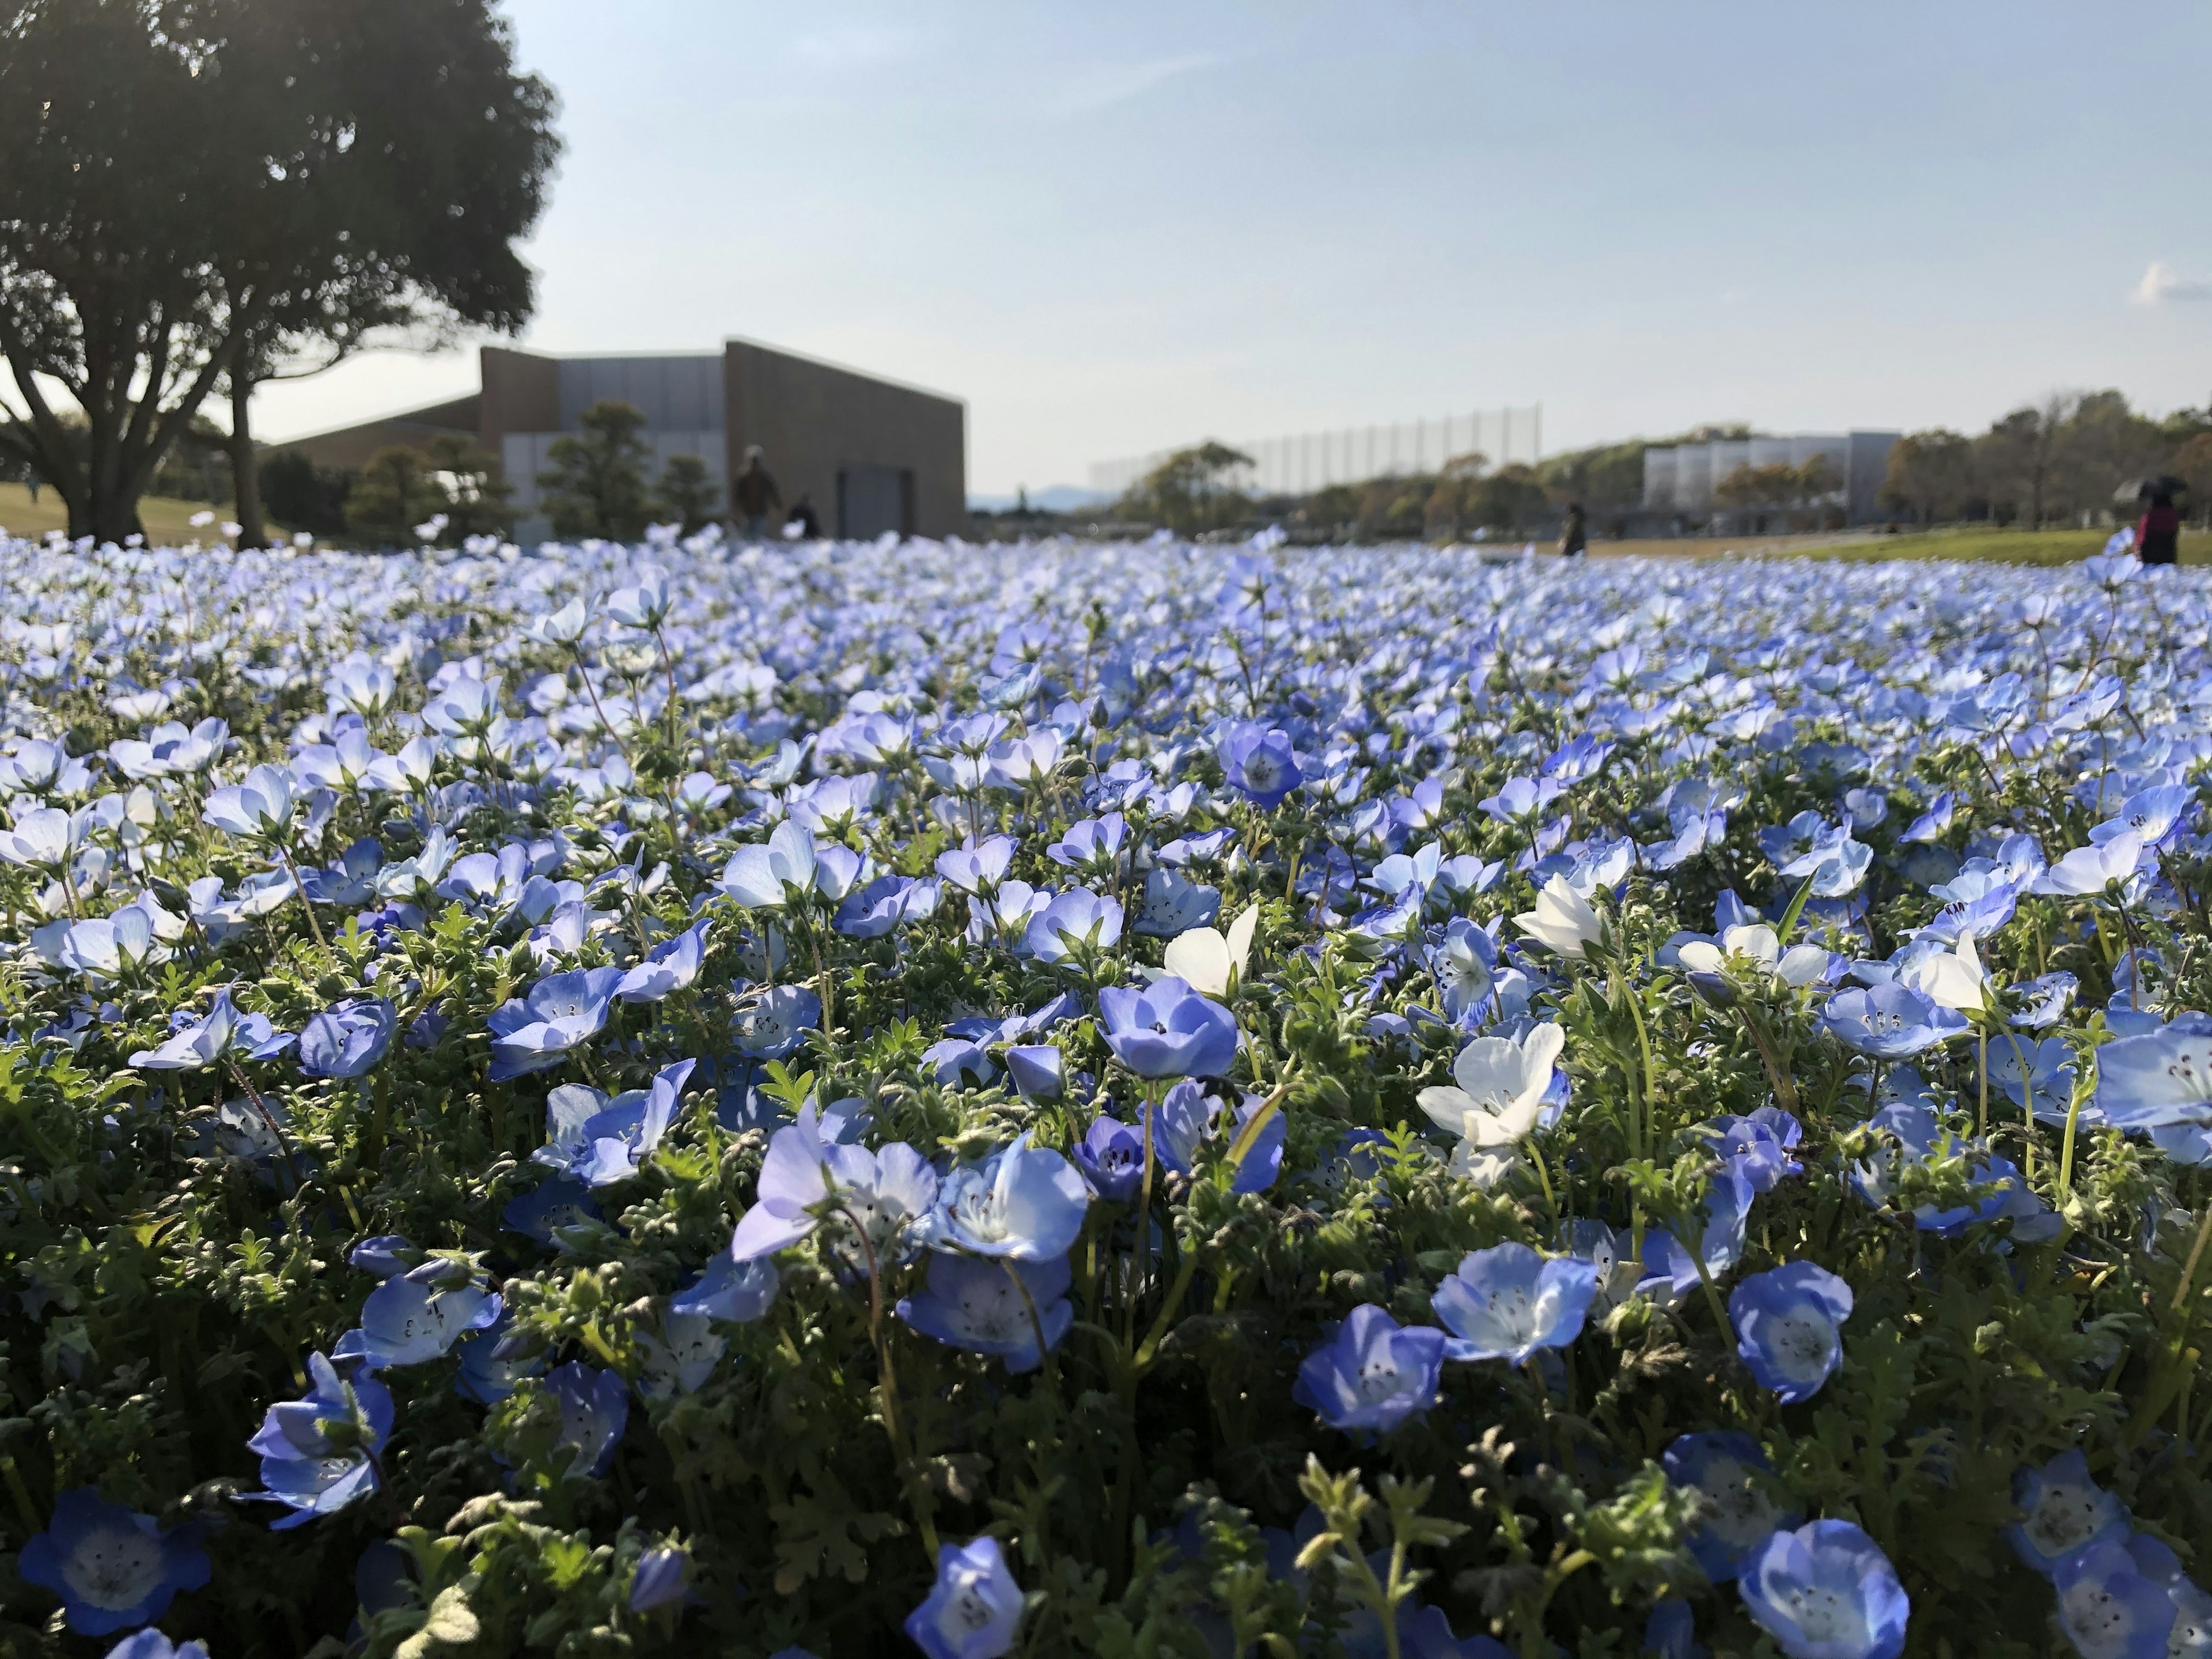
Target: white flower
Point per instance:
(1499, 1095)
(1563, 919)
(1209, 962)
(1951, 979)
(1755, 943)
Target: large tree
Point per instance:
(193, 192)
(596, 484)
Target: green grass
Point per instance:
(1982, 545)
(166, 520)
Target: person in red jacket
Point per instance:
(2158, 533)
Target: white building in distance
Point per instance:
(1681, 480)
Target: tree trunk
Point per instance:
(245, 469)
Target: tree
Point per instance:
(1192, 490)
(2012, 462)
(1510, 497)
(397, 490)
(2192, 464)
(694, 500)
(1930, 475)
(203, 191)
(479, 501)
(307, 496)
(596, 485)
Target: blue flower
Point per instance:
(885, 904)
(1786, 1320)
(2066, 1513)
(1111, 1156)
(1022, 1201)
(973, 1609)
(1188, 1118)
(1507, 1302)
(1757, 1147)
(319, 1453)
(951, 1058)
(2160, 1081)
(2111, 1607)
(777, 1021)
(1373, 1373)
(730, 1290)
(1717, 1230)
(1671, 1632)
(347, 1038)
(1889, 1021)
(1037, 1069)
(112, 1568)
(493, 1361)
(406, 1323)
(1261, 764)
(1826, 1591)
(603, 1141)
(1168, 1029)
(1076, 924)
(806, 1181)
(594, 1409)
(561, 1011)
(974, 1303)
(150, 1643)
(562, 1202)
(660, 1579)
(1735, 1512)
(671, 965)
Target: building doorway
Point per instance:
(871, 500)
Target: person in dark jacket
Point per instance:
(1574, 538)
(807, 520)
(756, 494)
(2158, 532)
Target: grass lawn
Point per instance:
(166, 520)
(1974, 543)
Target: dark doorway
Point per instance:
(873, 499)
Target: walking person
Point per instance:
(755, 494)
(2158, 532)
(1574, 536)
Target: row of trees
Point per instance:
(2052, 462)
(200, 198)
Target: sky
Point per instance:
(1112, 229)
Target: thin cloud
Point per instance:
(850, 44)
(1116, 83)
(2162, 282)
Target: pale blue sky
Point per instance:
(1114, 227)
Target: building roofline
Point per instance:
(843, 368)
(394, 418)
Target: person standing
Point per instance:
(2158, 532)
(1574, 538)
(756, 493)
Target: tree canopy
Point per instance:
(199, 189)
(596, 485)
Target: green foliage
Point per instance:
(596, 484)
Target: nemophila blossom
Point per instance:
(2111, 1607)
(671, 966)
(1465, 968)
(1073, 924)
(977, 867)
(1111, 1156)
(774, 1022)
(200, 1043)
(1024, 1202)
(1499, 1092)
(954, 1058)
(2091, 871)
(1734, 1484)
(680, 1358)
(2064, 1513)
(114, 1568)
(2042, 1072)
(348, 1038)
(1787, 1323)
(542, 1213)
(768, 877)
(1172, 906)
(1168, 1029)
(660, 1580)
(258, 809)
(404, 1322)
(1759, 1145)
(1713, 1234)
(560, 1012)
(594, 1409)
(1092, 846)
(886, 903)
(1758, 948)
(1373, 1373)
(1188, 1118)
(150, 1643)
(1563, 920)
(319, 1453)
(975, 1302)
(737, 1292)
(494, 1361)
(602, 1141)
(40, 839)
(1260, 764)
(975, 1609)
(1836, 864)
(1507, 1302)
(2160, 1081)
(1826, 1591)
(1889, 1021)
(1038, 1070)
(890, 1195)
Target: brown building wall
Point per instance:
(350, 449)
(814, 420)
(521, 393)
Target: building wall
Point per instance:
(815, 421)
(680, 393)
(349, 450)
(1681, 478)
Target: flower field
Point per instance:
(1137, 1100)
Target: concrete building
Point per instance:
(871, 454)
(1679, 482)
